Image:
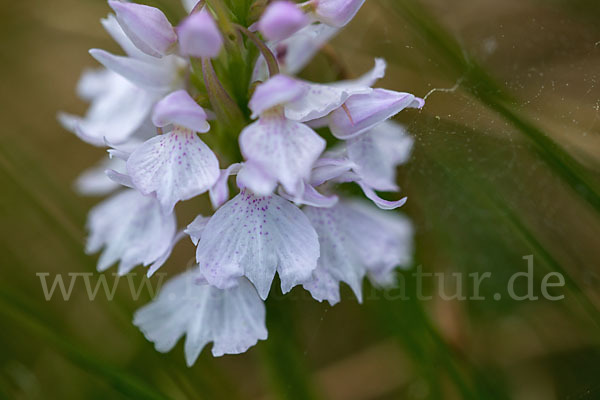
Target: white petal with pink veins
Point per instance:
(233, 319)
(284, 149)
(255, 237)
(176, 166)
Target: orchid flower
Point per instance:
(287, 215)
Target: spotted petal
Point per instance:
(233, 319)
(255, 237)
(176, 166)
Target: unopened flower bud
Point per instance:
(199, 36)
(281, 19)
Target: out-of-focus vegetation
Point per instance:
(505, 165)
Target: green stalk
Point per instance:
(272, 64)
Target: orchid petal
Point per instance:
(257, 179)
(319, 100)
(179, 108)
(147, 27)
(337, 13)
(119, 178)
(378, 152)
(339, 260)
(142, 73)
(219, 192)
(199, 36)
(116, 113)
(357, 239)
(278, 90)
(196, 227)
(281, 19)
(386, 240)
(94, 182)
(295, 52)
(233, 319)
(132, 229)
(256, 236)
(379, 202)
(114, 29)
(165, 256)
(329, 168)
(311, 197)
(176, 166)
(364, 111)
(366, 80)
(284, 148)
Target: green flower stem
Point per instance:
(262, 47)
(223, 17)
(223, 105)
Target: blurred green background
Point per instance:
(504, 166)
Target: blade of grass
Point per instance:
(52, 214)
(480, 84)
(119, 379)
(407, 320)
(479, 189)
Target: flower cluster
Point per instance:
(176, 125)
